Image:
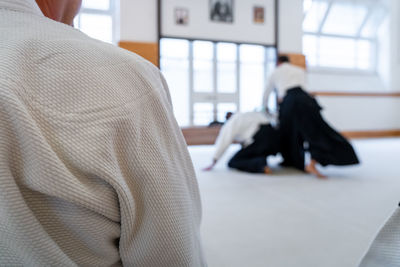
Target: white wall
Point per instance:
(395, 44)
(139, 23)
(342, 82)
(290, 26)
(139, 20)
(366, 113)
(384, 59)
(359, 113)
(242, 29)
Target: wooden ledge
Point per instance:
(363, 94)
(207, 136)
(200, 135)
(372, 134)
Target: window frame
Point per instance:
(357, 37)
(216, 97)
(113, 11)
(343, 70)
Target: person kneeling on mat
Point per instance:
(259, 139)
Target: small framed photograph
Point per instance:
(181, 16)
(221, 11)
(258, 15)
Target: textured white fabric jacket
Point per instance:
(94, 170)
(284, 77)
(241, 128)
(385, 250)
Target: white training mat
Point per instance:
(290, 219)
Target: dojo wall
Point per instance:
(242, 29)
(347, 113)
(139, 24)
(368, 112)
(138, 28)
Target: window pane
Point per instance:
(174, 48)
(374, 21)
(226, 52)
(203, 76)
(97, 26)
(272, 103)
(76, 22)
(96, 4)
(203, 113)
(203, 54)
(344, 19)
(251, 86)
(224, 108)
(271, 54)
(226, 67)
(307, 4)
(252, 53)
(310, 49)
(226, 77)
(364, 52)
(337, 52)
(203, 50)
(176, 72)
(314, 16)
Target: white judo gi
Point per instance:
(240, 128)
(385, 250)
(94, 170)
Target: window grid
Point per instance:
(313, 53)
(214, 97)
(372, 55)
(112, 12)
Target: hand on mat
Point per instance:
(209, 168)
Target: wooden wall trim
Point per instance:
(200, 135)
(148, 51)
(207, 136)
(355, 94)
(296, 59)
(372, 134)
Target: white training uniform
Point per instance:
(385, 249)
(286, 76)
(94, 170)
(241, 128)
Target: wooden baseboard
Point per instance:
(372, 134)
(200, 135)
(207, 136)
(356, 94)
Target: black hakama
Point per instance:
(253, 158)
(301, 122)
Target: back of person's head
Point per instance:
(61, 10)
(283, 59)
(228, 115)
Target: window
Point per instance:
(208, 79)
(174, 64)
(341, 34)
(98, 19)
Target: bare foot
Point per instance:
(267, 170)
(312, 169)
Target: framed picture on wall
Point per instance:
(221, 11)
(181, 16)
(258, 15)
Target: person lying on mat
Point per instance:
(259, 139)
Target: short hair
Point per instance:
(283, 59)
